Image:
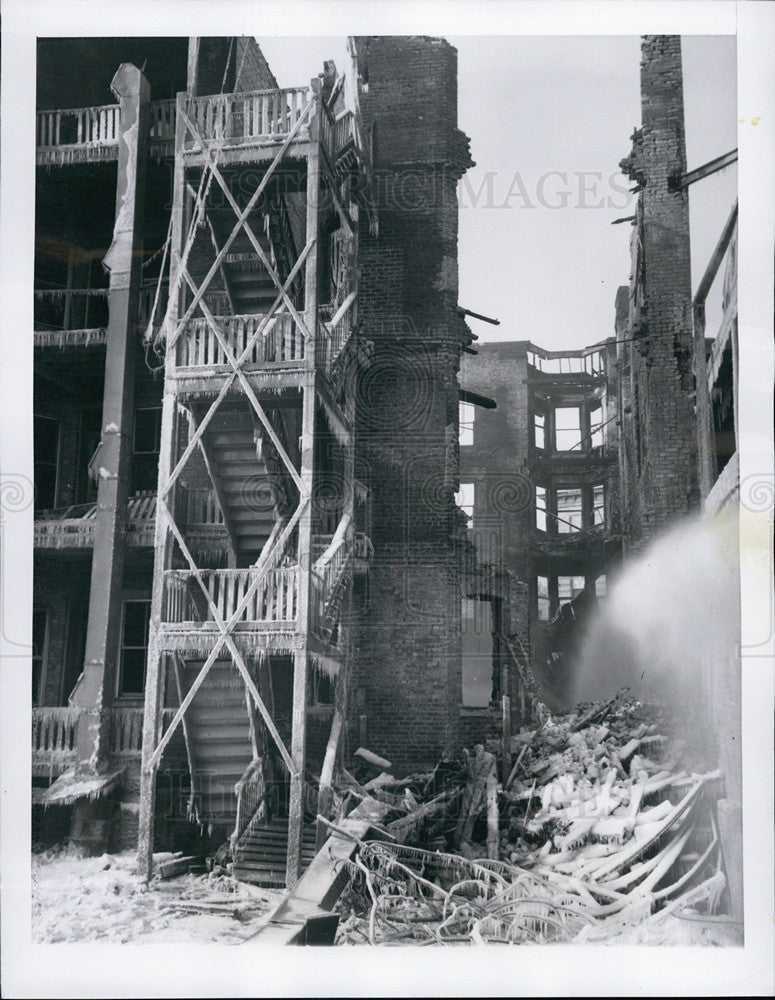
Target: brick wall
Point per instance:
(660, 431)
(407, 669)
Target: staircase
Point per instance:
(261, 856)
(220, 737)
(236, 456)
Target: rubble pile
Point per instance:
(595, 827)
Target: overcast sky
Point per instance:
(549, 120)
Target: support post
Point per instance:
(307, 449)
(154, 681)
(94, 693)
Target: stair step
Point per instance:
(218, 699)
(221, 730)
(242, 469)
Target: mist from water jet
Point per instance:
(670, 627)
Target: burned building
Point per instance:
(256, 404)
(539, 482)
(247, 341)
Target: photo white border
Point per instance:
(127, 970)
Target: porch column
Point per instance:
(95, 689)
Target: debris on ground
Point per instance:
(81, 899)
(599, 832)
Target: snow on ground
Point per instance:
(76, 899)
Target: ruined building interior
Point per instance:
(287, 506)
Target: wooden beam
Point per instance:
(301, 658)
(318, 889)
(711, 167)
(154, 680)
(327, 773)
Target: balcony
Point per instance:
(239, 121)
(187, 619)
(73, 527)
(230, 121)
(71, 317)
(587, 362)
(90, 135)
(54, 733)
(200, 352)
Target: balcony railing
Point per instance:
(78, 135)
(275, 599)
(249, 118)
(73, 527)
(54, 732)
(280, 342)
(72, 129)
(587, 362)
(334, 331)
(55, 729)
(70, 316)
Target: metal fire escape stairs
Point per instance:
(260, 370)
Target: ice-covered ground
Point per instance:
(79, 899)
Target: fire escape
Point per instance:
(258, 338)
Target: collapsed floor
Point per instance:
(599, 833)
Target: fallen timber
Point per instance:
(596, 830)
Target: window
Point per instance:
(569, 511)
(723, 403)
(596, 427)
(477, 652)
(466, 424)
(541, 508)
(147, 440)
(134, 646)
(601, 587)
(539, 428)
(46, 462)
(567, 428)
(542, 586)
(39, 629)
(598, 506)
(569, 587)
(321, 690)
(464, 498)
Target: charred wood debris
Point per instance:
(597, 826)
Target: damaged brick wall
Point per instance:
(408, 671)
(660, 435)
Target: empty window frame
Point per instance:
(466, 423)
(567, 428)
(569, 511)
(46, 461)
(135, 619)
(465, 499)
(542, 588)
(597, 426)
(147, 438)
(540, 504)
(598, 506)
(39, 637)
(601, 587)
(539, 430)
(569, 587)
(477, 652)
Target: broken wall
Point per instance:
(656, 345)
(407, 671)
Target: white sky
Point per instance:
(542, 255)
